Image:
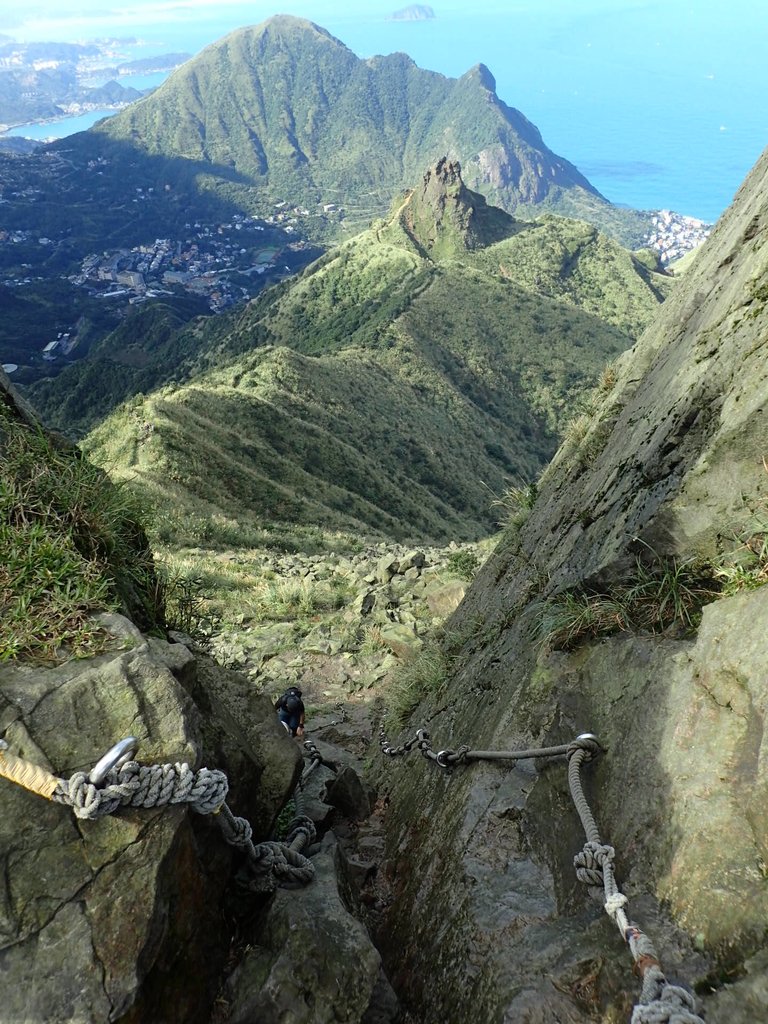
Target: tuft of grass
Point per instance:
(577, 617)
(71, 542)
(577, 429)
(47, 590)
(372, 642)
(282, 599)
(747, 567)
(514, 506)
(424, 675)
(667, 595)
(607, 380)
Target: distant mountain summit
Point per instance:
(288, 110)
(443, 216)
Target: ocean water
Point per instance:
(48, 130)
(661, 103)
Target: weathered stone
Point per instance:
(312, 795)
(86, 902)
(411, 560)
(384, 1007)
(339, 755)
(742, 1001)
(400, 639)
(444, 598)
(346, 792)
(356, 871)
(364, 604)
(386, 568)
(242, 728)
(314, 963)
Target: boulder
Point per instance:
(400, 639)
(242, 730)
(444, 598)
(314, 962)
(311, 797)
(92, 895)
(387, 567)
(117, 919)
(411, 560)
(384, 1007)
(348, 794)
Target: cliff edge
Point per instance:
(625, 600)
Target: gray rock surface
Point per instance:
(347, 793)
(116, 919)
(314, 963)
(484, 907)
(241, 729)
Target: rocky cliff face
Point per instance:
(122, 919)
(667, 476)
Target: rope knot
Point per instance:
(586, 742)
(615, 902)
(662, 1003)
(237, 831)
(590, 861)
(85, 798)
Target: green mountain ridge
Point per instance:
(387, 388)
(296, 116)
(281, 122)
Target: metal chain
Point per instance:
(134, 785)
(660, 1001)
(448, 758)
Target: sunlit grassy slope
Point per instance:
(387, 389)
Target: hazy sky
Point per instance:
(52, 20)
(75, 20)
(57, 21)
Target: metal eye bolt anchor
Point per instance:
(115, 757)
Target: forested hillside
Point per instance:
(397, 385)
(285, 112)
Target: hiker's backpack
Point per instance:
(292, 701)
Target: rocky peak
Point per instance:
(483, 75)
(444, 216)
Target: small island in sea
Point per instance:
(416, 12)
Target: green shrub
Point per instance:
(186, 607)
(71, 542)
(463, 564)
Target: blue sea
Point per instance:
(661, 103)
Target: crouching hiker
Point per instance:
(290, 711)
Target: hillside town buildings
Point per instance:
(673, 235)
